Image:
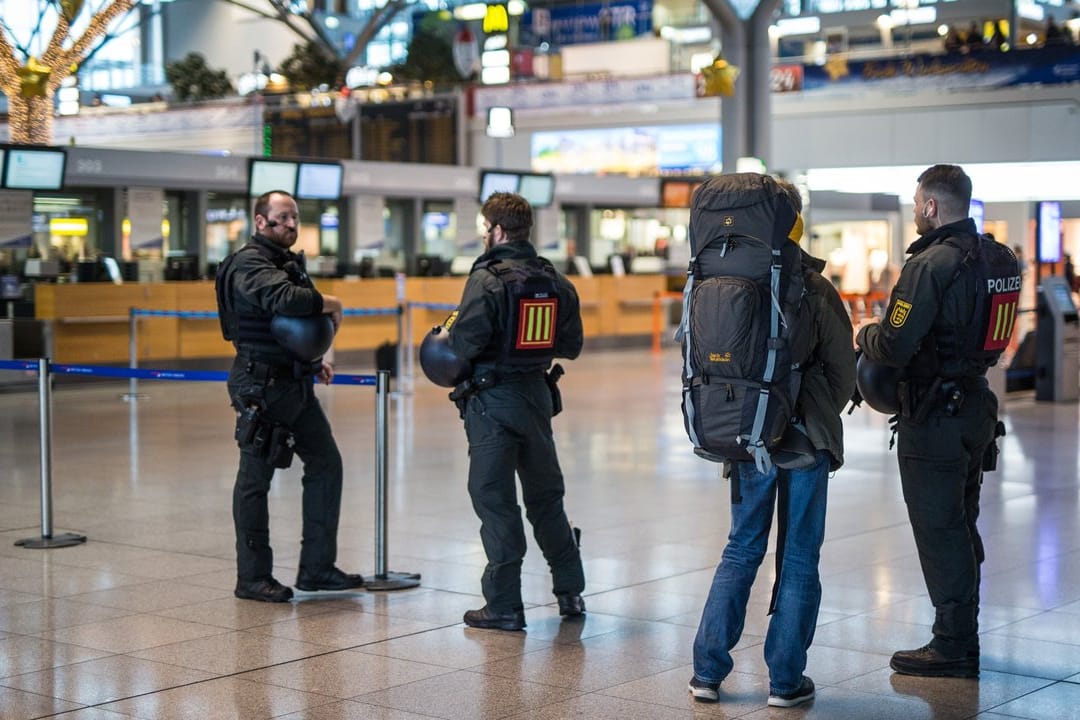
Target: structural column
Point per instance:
(746, 117)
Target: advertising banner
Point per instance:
(986, 69)
(145, 208)
(16, 213)
(572, 24)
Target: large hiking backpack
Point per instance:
(740, 324)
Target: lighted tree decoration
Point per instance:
(31, 82)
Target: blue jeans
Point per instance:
(791, 627)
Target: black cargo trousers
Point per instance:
(292, 403)
(508, 427)
(941, 474)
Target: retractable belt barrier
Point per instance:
(381, 579)
(133, 332)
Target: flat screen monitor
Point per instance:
(494, 181)
(267, 175)
(977, 212)
(1048, 231)
(34, 168)
(1063, 297)
(539, 190)
(182, 267)
(430, 266)
(319, 181)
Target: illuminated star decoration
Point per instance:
(33, 78)
(837, 67)
(71, 8)
(720, 77)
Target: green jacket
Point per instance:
(829, 377)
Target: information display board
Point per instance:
(33, 168)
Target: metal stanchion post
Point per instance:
(133, 355)
(45, 414)
(383, 579)
(399, 358)
(409, 340)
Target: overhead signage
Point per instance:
(574, 24)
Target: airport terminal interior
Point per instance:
(140, 620)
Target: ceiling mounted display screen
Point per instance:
(319, 181)
(267, 175)
(539, 190)
(495, 181)
(34, 168)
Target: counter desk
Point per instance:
(90, 322)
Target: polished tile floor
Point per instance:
(140, 621)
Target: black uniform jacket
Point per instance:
(478, 331)
(264, 286)
(829, 378)
(929, 308)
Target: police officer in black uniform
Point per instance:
(947, 417)
(272, 391)
(517, 314)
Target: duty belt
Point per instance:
(280, 369)
(918, 397)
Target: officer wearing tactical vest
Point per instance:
(281, 326)
(517, 314)
(949, 318)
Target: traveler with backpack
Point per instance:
(950, 316)
(517, 314)
(270, 385)
(733, 214)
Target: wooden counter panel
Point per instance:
(366, 333)
(201, 339)
(632, 309)
(105, 342)
(91, 319)
(378, 293)
(198, 296)
(87, 300)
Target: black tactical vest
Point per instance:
(532, 311)
(251, 331)
(979, 340)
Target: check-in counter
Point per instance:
(91, 322)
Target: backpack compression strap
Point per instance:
(756, 446)
(682, 333)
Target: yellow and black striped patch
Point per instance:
(536, 324)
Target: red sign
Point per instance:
(786, 78)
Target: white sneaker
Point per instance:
(704, 691)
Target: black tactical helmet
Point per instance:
(306, 337)
(438, 360)
(877, 384)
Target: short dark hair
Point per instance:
(950, 187)
(792, 192)
(262, 203)
(511, 212)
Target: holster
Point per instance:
(468, 387)
(915, 401)
(990, 455)
(551, 377)
(264, 438)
